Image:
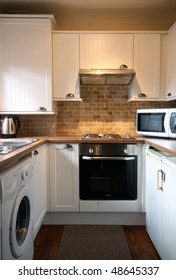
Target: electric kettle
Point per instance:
(9, 126)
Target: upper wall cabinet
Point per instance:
(66, 66)
(100, 51)
(146, 84)
(26, 65)
(170, 65)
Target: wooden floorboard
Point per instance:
(46, 245)
(139, 243)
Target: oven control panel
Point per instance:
(108, 149)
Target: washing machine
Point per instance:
(17, 235)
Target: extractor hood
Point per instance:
(121, 76)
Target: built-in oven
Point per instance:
(108, 171)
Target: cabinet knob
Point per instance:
(41, 109)
(169, 94)
(70, 95)
(68, 146)
(36, 152)
(143, 95)
(123, 66)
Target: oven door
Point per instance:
(108, 178)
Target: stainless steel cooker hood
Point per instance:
(121, 76)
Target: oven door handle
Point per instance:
(107, 158)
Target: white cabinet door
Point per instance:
(0, 230)
(25, 65)
(40, 185)
(169, 213)
(147, 67)
(170, 67)
(153, 199)
(64, 177)
(100, 51)
(160, 203)
(66, 66)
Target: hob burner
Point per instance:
(91, 135)
(109, 136)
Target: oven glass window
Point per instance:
(108, 179)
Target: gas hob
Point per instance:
(105, 136)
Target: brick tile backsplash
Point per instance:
(104, 109)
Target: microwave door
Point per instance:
(152, 123)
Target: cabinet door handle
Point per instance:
(169, 94)
(123, 66)
(163, 176)
(70, 95)
(41, 109)
(67, 146)
(143, 95)
(160, 180)
(36, 152)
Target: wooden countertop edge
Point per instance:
(17, 154)
(166, 145)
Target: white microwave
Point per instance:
(172, 123)
(156, 122)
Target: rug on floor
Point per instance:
(94, 242)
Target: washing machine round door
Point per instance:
(21, 223)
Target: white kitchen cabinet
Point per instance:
(66, 66)
(64, 177)
(146, 83)
(170, 66)
(26, 65)
(0, 228)
(153, 199)
(101, 51)
(40, 185)
(160, 203)
(168, 211)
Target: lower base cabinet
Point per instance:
(168, 212)
(40, 185)
(153, 199)
(64, 177)
(160, 204)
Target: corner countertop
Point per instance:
(166, 145)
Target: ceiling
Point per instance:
(56, 6)
(117, 13)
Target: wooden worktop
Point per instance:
(166, 145)
(21, 152)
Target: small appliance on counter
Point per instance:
(156, 122)
(9, 126)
